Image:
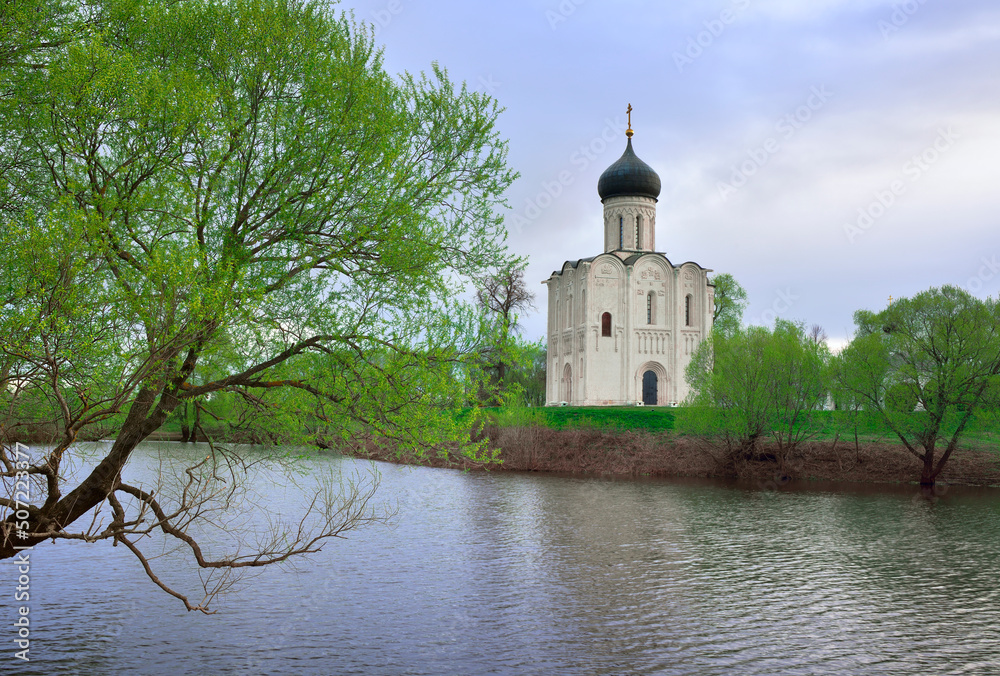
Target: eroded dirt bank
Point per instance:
(625, 453)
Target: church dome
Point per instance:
(629, 176)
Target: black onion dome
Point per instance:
(629, 176)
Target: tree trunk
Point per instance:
(197, 422)
(927, 474)
(187, 433)
(95, 489)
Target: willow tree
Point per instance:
(232, 199)
(926, 367)
(756, 383)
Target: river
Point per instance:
(495, 573)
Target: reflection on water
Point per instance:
(505, 573)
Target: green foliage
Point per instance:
(525, 376)
(32, 33)
(939, 349)
(901, 398)
(230, 212)
(506, 364)
(241, 200)
(647, 419)
(730, 303)
(756, 383)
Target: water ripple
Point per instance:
(520, 574)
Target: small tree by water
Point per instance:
(926, 367)
(756, 384)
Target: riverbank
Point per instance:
(627, 453)
(600, 451)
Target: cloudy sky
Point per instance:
(827, 153)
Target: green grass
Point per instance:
(650, 419)
(982, 432)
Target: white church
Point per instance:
(624, 324)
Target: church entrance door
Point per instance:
(567, 384)
(649, 388)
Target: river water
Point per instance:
(531, 574)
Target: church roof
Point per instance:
(628, 261)
(629, 176)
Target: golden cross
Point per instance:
(629, 112)
(890, 299)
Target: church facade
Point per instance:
(624, 324)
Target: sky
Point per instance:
(826, 153)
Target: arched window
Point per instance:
(638, 231)
(651, 307)
(621, 232)
(687, 310)
(606, 325)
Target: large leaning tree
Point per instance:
(229, 200)
(926, 366)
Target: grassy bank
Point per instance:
(982, 432)
(631, 453)
(661, 442)
(634, 418)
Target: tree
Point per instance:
(938, 352)
(234, 199)
(527, 372)
(730, 302)
(817, 334)
(502, 297)
(757, 383)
